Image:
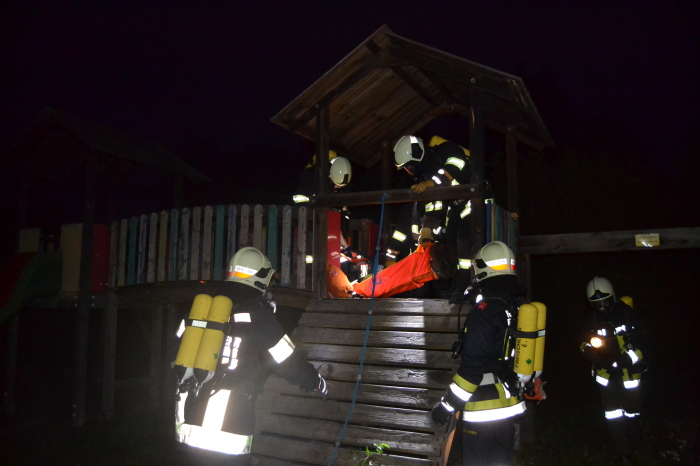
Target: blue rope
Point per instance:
(375, 266)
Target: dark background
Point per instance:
(615, 83)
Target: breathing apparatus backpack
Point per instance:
(202, 341)
(521, 363)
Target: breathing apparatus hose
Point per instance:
(375, 266)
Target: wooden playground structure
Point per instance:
(387, 361)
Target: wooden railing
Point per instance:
(197, 243)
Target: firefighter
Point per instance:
(219, 416)
(340, 174)
(617, 364)
(442, 163)
(483, 389)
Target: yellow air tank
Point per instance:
(524, 363)
(189, 344)
(437, 140)
(539, 343)
(212, 340)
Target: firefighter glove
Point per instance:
(439, 414)
(422, 186)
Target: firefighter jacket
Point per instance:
(478, 388)
(408, 274)
(618, 359)
(221, 417)
(444, 164)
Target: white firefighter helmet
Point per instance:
(340, 171)
(250, 267)
(599, 289)
(495, 258)
(408, 149)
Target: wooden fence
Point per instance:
(196, 244)
(501, 225)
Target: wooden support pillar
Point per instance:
(84, 296)
(388, 172)
(477, 149)
(109, 352)
(388, 168)
(320, 248)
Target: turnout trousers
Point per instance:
(488, 443)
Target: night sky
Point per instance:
(615, 85)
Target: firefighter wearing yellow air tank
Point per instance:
(227, 343)
(617, 363)
(497, 360)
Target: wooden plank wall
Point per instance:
(407, 367)
(196, 244)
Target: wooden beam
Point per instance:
(609, 241)
(439, 84)
(501, 128)
(152, 294)
(331, 95)
(476, 164)
(387, 165)
(413, 84)
(398, 196)
(320, 215)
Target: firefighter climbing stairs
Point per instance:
(407, 367)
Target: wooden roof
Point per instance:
(56, 146)
(390, 86)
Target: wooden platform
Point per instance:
(407, 367)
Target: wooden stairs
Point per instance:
(407, 367)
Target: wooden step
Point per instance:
(406, 367)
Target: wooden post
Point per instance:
(476, 149)
(320, 247)
(109, 352)
(83, 316)
(388, 170)
(387, 165)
